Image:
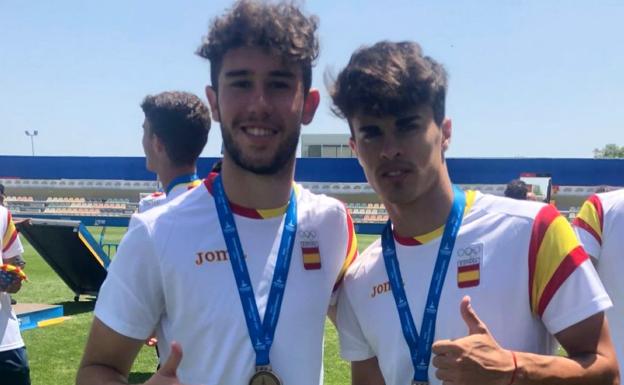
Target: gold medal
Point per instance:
(264, 376)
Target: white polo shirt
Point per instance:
(519, 261)
(600, 228)
(172, 274)
(159, 198)
(10, 246)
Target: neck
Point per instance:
(426, 213)
(168, 174)
(248, 189)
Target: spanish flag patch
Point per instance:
(311, 258)
(468, 276)
(469, 265)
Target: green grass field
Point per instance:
(55, 351)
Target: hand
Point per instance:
(151, 342)
(167, 375)
(10, 282)
(474, 359)
(14, 286)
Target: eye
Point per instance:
(241, 84)
(279, 85)
(369, 133)
(410, 128)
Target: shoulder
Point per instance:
(612, 201)
(152, 200)
(319, 204)
(367, 262)
(508, 207)
(183, 205)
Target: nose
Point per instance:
(259, 103)
(391, 147)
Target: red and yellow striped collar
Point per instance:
(430, 236)
(246, 211)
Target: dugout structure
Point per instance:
(70, 250)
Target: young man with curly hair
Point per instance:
(463, 288)
(239, 272)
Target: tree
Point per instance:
(611, 150)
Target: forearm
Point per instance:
(586, 369)
(99, 375)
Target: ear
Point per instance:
(310, 104)
(211, 94)
(158, 146)
(447, 130)
(352, 145)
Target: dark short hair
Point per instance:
(517, 189)
(281, 28)
(389, 78)
(181, 121)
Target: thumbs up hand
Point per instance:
(474, 359)
(167, 374)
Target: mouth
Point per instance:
(258, 131)
(394, 172)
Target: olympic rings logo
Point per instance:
(307, 234)
(470, 251)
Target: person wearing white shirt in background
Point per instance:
(600, 228)
(175, 131)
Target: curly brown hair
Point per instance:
(281, 28)
(389, 78)
(181, 121)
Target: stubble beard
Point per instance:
(283, 156)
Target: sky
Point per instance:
(534, 78)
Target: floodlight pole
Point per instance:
(32, 139)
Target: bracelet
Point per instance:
(513, 374)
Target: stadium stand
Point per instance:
(106, 190)
(78, 206)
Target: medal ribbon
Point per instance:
(186, 178)
(260, 333)
(420, 346)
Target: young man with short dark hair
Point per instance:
(463, 288)
(175, 132)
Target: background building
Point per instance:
(326, 146)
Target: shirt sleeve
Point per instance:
(131, 299)
(353, 343)
(351, 253)
(581, 296)
(588, 226)
(564, 287)
(11, 244)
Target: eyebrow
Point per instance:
(276, 73)
(369, 128)
(237, 73)
(282, 74)
(407, 120)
